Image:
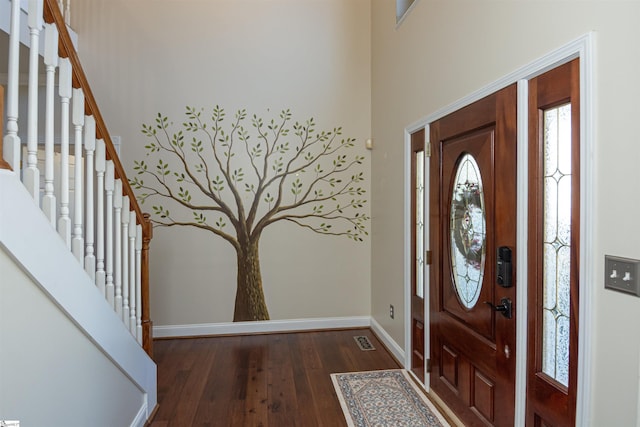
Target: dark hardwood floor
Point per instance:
(274, 380)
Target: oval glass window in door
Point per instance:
(467, 231)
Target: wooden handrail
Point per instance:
(66, 49)
(3, 163)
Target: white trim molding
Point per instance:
(142, 416)
(260, 327)
(408, 288)
(388, 342)
(279, 326)
(522, 230)
(588, 259)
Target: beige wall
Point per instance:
(445, 50)
(311, 56)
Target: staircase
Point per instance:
(75, 330)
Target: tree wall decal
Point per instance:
(234, 184)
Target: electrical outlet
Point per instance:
(391, 311)
(621, 274)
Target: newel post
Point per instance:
(3, 163)
(147, 324)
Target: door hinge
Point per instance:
(428, 365)
(427, 149)
(427, 257)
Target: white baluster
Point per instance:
(64, 90)
(32, 174)
(139, 283)
(132, 272)
(89, 231)
(11, 141)
(125, 260)
(77, 241)
(100, 170)
(117, 244)
(50, 62)
(67, 13)
(109, 185)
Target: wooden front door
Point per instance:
(472, 220)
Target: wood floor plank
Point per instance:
(215, 407)
(276, 380)
(196, 381)
(256, 401)
(328, 347)
(172, 379)
(282, 396)
(304, 396)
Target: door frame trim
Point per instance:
(583, 48)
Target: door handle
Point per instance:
(505, 307)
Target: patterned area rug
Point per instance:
(384, 399)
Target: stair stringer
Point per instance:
(28, 238)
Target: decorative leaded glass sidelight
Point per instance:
(556, 243)
(419, 193)
(467, 231)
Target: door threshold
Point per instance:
(445, 410)
(451, 417)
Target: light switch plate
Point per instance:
(621, 274)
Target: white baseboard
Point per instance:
(258, 327)
(392, 346)
(275, 326)
(141, 418)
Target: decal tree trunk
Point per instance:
(250, 302)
